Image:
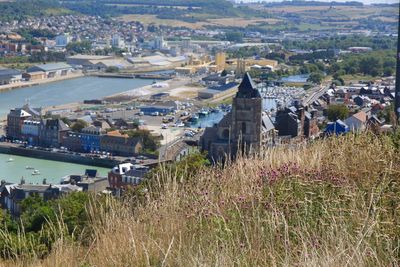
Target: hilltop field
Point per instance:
(335, 202)
(210, 14)
(281, 17)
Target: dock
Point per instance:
(134, 76)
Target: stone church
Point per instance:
(244, 129)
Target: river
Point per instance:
(67, 91)
(53, 171)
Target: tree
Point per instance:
(334, 68)
(371, 65)
(315, 77)
(79, 125)
(112, 69)
(66, 121)
(35, 213)
(150, 142)
(236, 37)
(79, 47)
(335, 112)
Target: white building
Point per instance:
(117, 41)
(30, 128)
(159, 43)
(63, 40)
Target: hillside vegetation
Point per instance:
(332, 203)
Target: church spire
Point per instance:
(247, 89)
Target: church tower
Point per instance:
(246, 117)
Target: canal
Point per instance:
(53, 171)
(67, 91)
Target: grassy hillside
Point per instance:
(332, 203)
(20, 9)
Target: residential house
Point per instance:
(12, 195)
(30, 131)
(16, 118)
(72, 141)
(374, 124)
(52, 132)
(310, 128)
(126, 175)
(89, 182)
(288, 122)
(357, 122)
(90, 138)
(120, 144)
(102, 124)
(361, 100)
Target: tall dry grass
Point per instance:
(335, 202)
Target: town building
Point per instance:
(63, 40)
(16, 118)
(126, 175)
(11, 195)
(30, 131)
(288, 122)
(357, 122)
(90, 138)
(51, 70)
(240, 67)
(220, 60)
(34, 76)
(120, 144)
(9, 76)
(157, 109)
(86, 61)
(52, 132)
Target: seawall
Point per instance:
(56, 156)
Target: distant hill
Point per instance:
(315, 3)
(19, 9)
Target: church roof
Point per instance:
(226, 120)
(267, 123)
(247, 89)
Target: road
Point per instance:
(315, 93)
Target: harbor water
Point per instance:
(57, 93)
(13, 168)
(67, 91)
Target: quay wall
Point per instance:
(55, 156)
